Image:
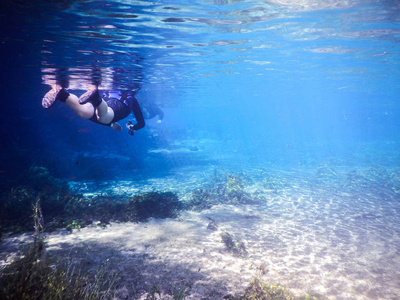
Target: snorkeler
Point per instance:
(93, 107)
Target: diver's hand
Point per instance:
(130, 126)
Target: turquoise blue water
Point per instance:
(284, 86)
(268, 82)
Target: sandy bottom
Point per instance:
(339, 244)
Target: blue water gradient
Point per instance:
(299, 99)
(282, 83)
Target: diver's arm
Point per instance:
(138, 114)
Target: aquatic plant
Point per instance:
(258, 290)
(80, 212)
(273, 184)
(16, 207)
(38, 220)
(374, 179)
(155, 205)
(36, 276)
(212, 225)
(104, 209)
(233, 184)
(180, 293)
(63, 208)
(229, 190)
(75, 211)
(74, 225)
(153, 291)
(202, 199)
(40, 178)
(233, 245)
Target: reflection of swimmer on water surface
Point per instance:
(93, 107)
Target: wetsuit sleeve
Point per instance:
(137, 112)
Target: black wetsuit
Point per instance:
(122, 109)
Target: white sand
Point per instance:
(307, 239)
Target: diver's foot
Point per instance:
(57, 93)
(91, 96)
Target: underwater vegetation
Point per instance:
(258, 290)
(16, 206)
(234, 246)
(63, 208)
(156, 205)
(226, 190)
(375, 178)
(274, 184)
(35, 275)
(140, 207)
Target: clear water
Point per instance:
(245, 86)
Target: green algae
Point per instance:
(64, 208)
(221, 190)
(259, 290)
(233, 245)
(35, 275)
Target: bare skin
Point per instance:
(104, 113)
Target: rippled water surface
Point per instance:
(188, 41)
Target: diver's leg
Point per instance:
(91, 96)
(104, 113)
(58, 86)
(84, 111)
(56, 93)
